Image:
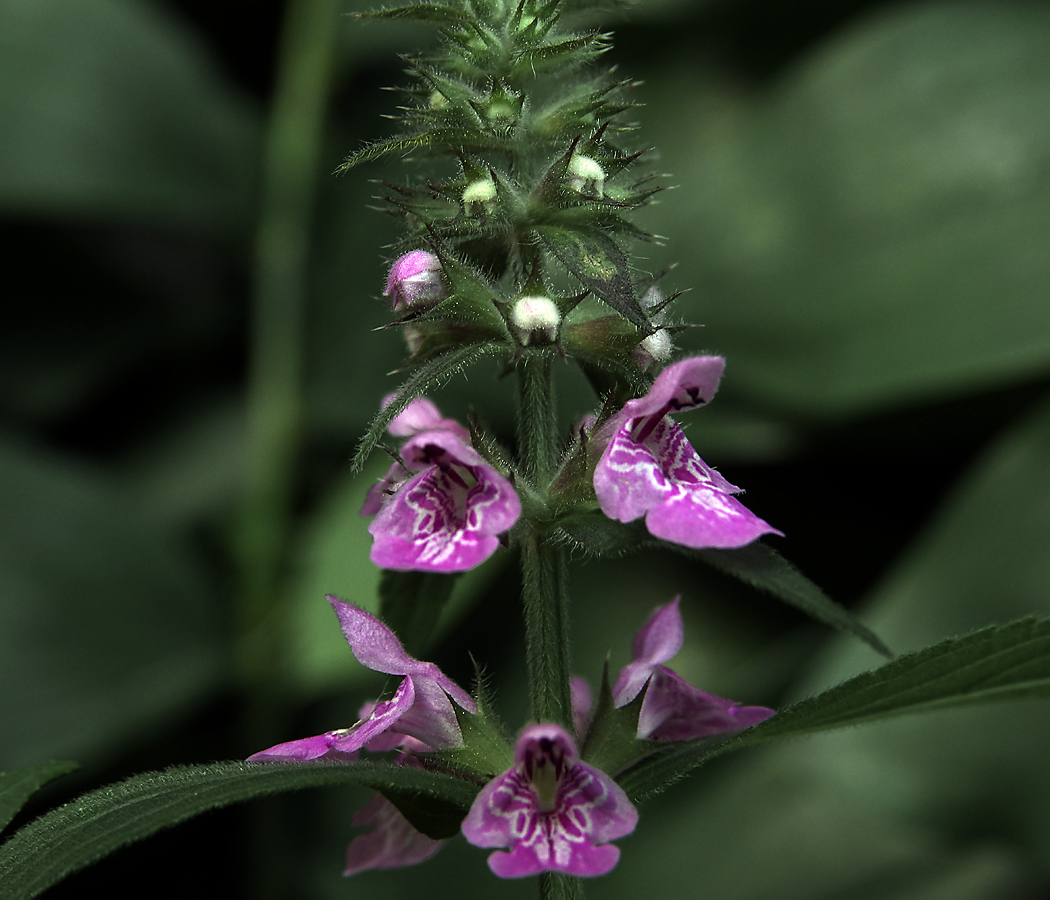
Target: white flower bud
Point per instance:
(585, 176)
(535, 320)
(479, 195)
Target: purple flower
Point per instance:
(648, 468)
(552, 812)
(443, 507)
(420, 708)
(672, 709)
(391, 843)
(415, 281)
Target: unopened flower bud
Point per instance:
(585, 176)
(415, 282)
(535, 320)
(657, 348)
(653, 350)
(479, 196)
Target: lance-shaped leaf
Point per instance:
(17, 787)
(548, 57)
(994, 664)
(429, 375)
(437, 13)
(762, 567)
(599, 263)
(94, 825)
(436, 139)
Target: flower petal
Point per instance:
(685, 384)
(628, 479)
(378, 648)
(674, 710)
(582, 703)
(705, 518)
(392, 843)
(659, 639)
(421, 415)
(342, 742)
(434, 523)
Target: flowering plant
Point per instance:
(520, 246)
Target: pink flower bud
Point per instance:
(415, 282)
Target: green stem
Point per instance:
(560, 887)
(537, 419)
(282, 246)
(544, 588)
(544, 580)
(546, 629)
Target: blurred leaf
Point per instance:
(109, 109)
(17, 787)
(984, 559)
(96, 824)
(873, 232)
(193, 471)
(332, 559)
(753, 832)
(411, 603)
(107, 625)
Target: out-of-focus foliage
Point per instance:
(861, 218)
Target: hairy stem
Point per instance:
(544, 579)
(560, 887)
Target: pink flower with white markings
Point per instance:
(550, 812)
(648, 467)
(421, 707)
(672, 709)
(392, 842)
(443, 507)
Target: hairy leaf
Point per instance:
(438, 139)
(597, 261)
(420, 12)
(93, 826)
(762, 567)
(432, 373)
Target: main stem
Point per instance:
(544, 579)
